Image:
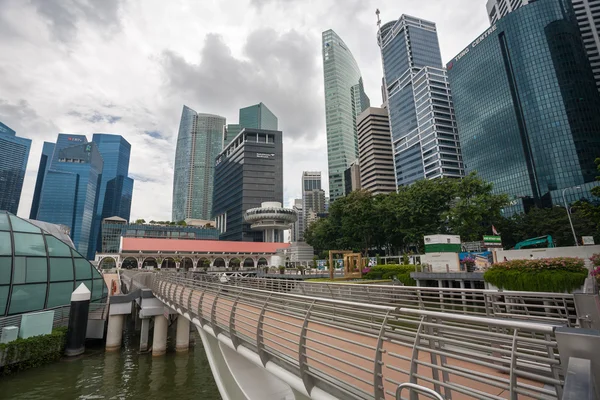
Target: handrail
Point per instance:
(418, 388)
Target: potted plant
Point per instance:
(281, 269)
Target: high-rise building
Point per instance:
(352, 177)
(422, 123)
(587, 13)
(313, 198)
(375, 155)
(257, 116)
(47, 151)
(116, 187)
(528, 112)
(297, 231)
(248, 172)
(70, 189)
(199, 141)
(345, 99)
(14, 153)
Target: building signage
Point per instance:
(588, 240)
(492, 241)
(72, 139)
(476, 42)
(265, 155)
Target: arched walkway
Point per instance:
(107, 263)
(219, 262)
(248, 263)
(187, 263)
(235, 263)
(169, 262)
(149, 262)
(130, 263)
(262, 262)
(205, 263)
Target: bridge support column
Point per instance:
(114, 332)
(145, 328)
(159, 341)
(182, 341)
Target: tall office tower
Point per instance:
(257, 116)
(47, 151)
(70, 189)
(588, 18)
(313, 197)
(528, 112)
(375, 155)
(248, 172)
(199, 142)
(424, 135)
(297, 231)
(116, 187)
(352, 177)
(14, 153)
(345, 99)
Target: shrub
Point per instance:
(33, 352)
(401, 272)
(559, 275)
(595, 259)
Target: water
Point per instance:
(121, 375)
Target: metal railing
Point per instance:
(535, 306)
(360, 350)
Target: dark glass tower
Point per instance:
(527, 107)
(14, 153)
(47, 151)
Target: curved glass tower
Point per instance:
(199, 141)
(345, 99)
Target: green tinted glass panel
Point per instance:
(4, 224)
(61, 269)
(20, 271)
(83, 269)
(98, 291)
(18, 225)
(76, 254)
(3, 299)
(5, 268)
(27, 244)
(26, 298)
(60, 294)
(37, 270)
(5, 244)
(57, 248)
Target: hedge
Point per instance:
(557, 275)
(33, 352)
(401, 272)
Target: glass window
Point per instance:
(76, 254)
(20, 270)
(59, 294)
(37, 269)
(3, 299)
(57, 248)
(21, 226)
(5, 264)
(4, 224)
(98, 291)
(61, 269)
(83, 269)
(5, 244)
(27, 244)
(27, 298)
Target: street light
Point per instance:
(569, 213)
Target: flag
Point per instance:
(494, 231)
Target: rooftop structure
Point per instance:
(272, 219)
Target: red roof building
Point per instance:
(182, 246)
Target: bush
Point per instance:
(544, 275)
(401, 272)
(33, 352)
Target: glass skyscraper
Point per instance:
(422, 123)
(257, 116)
(14, 153)
(345, 99)
(47, 151)
(527, 107)
(199, 141)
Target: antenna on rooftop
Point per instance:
(377, 12)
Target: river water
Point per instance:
(121, 375)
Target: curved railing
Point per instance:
(364, 351)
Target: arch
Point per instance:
(129, 263)
(186, 263)
(219, 262)
(248, 263)
(150, 262)
(262, 262)
(204, 262)
(107, 262)
(235, 263)
(168, 262)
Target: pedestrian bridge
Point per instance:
(267, 339)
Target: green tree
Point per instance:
(140, 221)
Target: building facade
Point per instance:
(375, 155)
(47, 150)
(424, 135)
(528, 111)
(199, 141)
(14, 153)
(297, 231)
(248, 172)
(345, 99)
(352, 177)
(313, 199)
(257, 116)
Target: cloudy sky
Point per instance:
(128, 66)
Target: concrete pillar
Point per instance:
(78, 319)
(137, 319)
(114, 333)
(145, 328)
(182, 341)
(159, 341)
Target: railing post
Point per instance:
(213, 313)
(232, 333)
(302, 359)
(513, 366)
(260, 345)
(378, 388)
(415, 356)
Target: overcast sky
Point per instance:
(128, 66)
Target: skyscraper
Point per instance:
(14, 153)
(424, 135)
(376, 158)
(199, 141)
(297, 231)
(47, 151)
(248, 172)
(588, 18)
(345, 99)
(527, 110)
(313, 198)
(257, 116)
(70, 189)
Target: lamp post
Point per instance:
(569, 213)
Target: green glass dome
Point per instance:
(38, 270)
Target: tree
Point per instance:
(140, 221)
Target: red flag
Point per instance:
(494, 231)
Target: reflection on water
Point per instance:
(124, 375)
